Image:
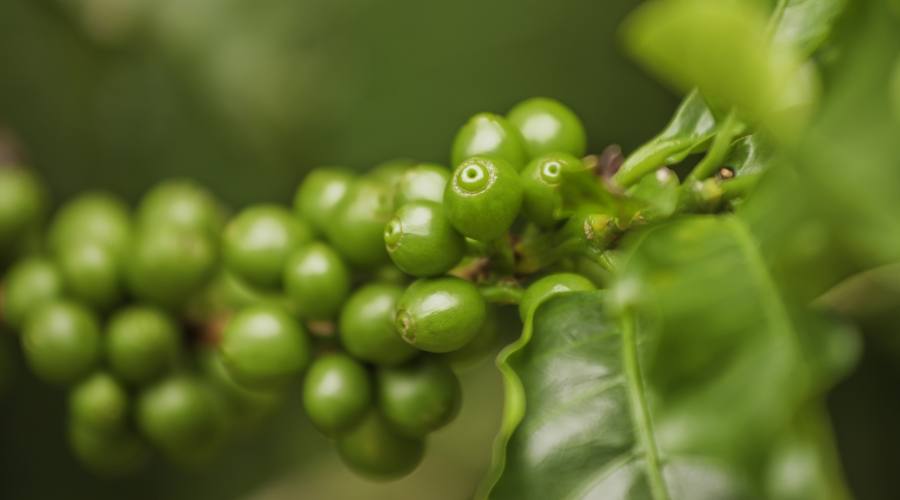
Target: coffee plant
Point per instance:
(679, 327)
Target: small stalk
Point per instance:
(718, 151)
(739, 186)
(502, 255)
(504, 292)
(648, 159)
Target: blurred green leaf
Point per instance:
(804, 464)
(828, 209)
(724, 49)
(895, 92)
(724, 329)
(806, 24)
(848, 160)
(806, 256)
(682, 393)
(799, 25)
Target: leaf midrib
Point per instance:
(634, 381)
(776, 315)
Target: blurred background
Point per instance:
(245, 97)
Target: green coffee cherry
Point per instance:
(489, 135)
(107, 454)
(389, 274)
(30, 283)
(263, 346)
(483, 198)
(390, 172)
(376, 451)
(319, 195)
(258, 242)
(542, 200)
(356, 231)
(367, 328)
(317, 281)
(227, 292)
(423, 182)
(99, 403)
(183, 204)
(142, 344)
(23, 205)
(548, 126)
(336, 393)
(551, 286)
(419, 397)
(421, 241)
(440, 315)
(167, 264)
(484, 343)
(182, 417)
(97, 217)
(61, 342)
(245, 405)
(91, 273)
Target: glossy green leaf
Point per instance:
(690, 130)
(579, 438)
(678, 383)
(724, 50)
(750, 155)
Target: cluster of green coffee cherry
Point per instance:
(176, 324)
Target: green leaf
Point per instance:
(724, 329)
(677, 383)
(749, 158)
(750, 155)
(801, 25)
(804, 464)
(895, 89)
(848, 160)
(724, 49)
(806, 255)
(806, 24)
(579, 438)
(691, 129)
(829, 209)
